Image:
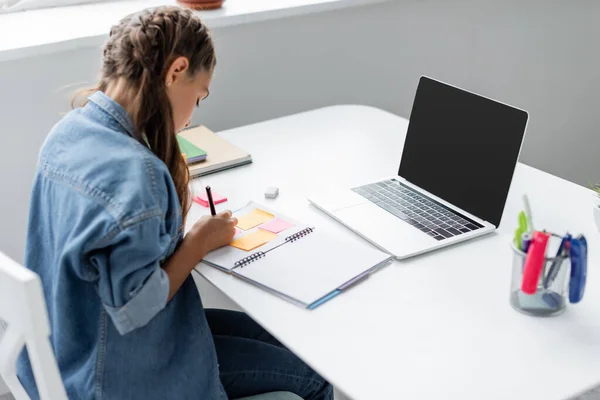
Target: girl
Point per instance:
(105, 234)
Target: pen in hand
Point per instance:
(213, 212)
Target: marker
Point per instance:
(528, 213)
(525, 241)
(521, 229)
(211, 203)
(534, 262)
(578, 279)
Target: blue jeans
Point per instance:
(251, 361)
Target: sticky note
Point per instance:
(253, 240)
(253, 219)
(237, 232)
(202, 199)
(276, 225)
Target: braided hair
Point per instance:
(140, 50)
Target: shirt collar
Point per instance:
(115, 110)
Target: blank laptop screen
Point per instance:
(462, 148)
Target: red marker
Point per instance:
(534, 263)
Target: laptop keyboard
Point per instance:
(425, 214)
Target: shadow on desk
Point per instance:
(459, 245)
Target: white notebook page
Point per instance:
(311, 267)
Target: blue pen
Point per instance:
(578, 279)
(525, 241)
(324, 299)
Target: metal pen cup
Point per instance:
(550, 297)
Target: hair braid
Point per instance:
(140, 50)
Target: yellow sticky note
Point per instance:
(253, 240)
(255, 218)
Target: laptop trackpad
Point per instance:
(384, 229)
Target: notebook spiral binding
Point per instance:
(299, 235)
(247, 260)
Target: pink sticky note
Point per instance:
(276, 225)
(202, 199)
(237, 231)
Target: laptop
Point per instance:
(459, 156)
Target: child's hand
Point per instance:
(211, 233)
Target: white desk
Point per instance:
(435, 327)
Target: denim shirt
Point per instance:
(104, 215)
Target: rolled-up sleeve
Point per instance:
(147, 302)
(132, 285)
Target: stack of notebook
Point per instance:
(206, 152)
(192, 153)
(293, 260)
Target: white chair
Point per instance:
(23, 308)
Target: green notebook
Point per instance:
(193, 153)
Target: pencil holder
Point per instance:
(550, 298)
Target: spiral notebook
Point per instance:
(293, 260)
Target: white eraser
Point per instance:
(271, 192)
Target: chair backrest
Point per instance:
(23, 309)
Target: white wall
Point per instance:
(541, 55)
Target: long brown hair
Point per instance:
(140, 49)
